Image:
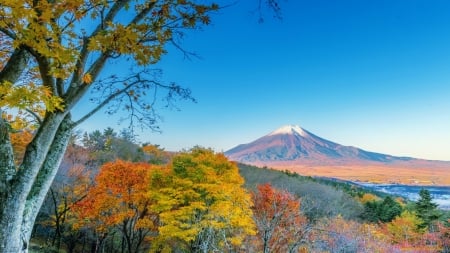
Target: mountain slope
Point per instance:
(294, 145)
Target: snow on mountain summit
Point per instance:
(289, 129)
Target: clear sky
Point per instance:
(370, 74)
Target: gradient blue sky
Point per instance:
(370, 74)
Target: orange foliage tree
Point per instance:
(119, 203)
(281, 226)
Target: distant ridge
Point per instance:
(292, 145)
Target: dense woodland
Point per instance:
(113, 195)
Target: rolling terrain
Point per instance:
(296, 149)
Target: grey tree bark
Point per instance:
(24, 190)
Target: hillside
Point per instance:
(296, 149)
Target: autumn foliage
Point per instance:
(281, 226)
(204, 206)
(195, 203)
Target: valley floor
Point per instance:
(378, 174)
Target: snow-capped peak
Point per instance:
(289, 129)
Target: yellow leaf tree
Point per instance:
(52, 55)
(203, 205)
(404, 230)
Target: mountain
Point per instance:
(293, 145)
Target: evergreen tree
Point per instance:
(389, 209)
(425, 209)
(384, 211)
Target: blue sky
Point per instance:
(370, 74)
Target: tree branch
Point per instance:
(76, 92)
(8, 33)
(139, 17)
(44, 69)
(77, 89)
(15, 66)
(104, 103)
(35, 115)
(110, 16)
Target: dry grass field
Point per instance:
(377, 174)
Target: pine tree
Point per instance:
(384, 211)
(389, 209)
(425, 209)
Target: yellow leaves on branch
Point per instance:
(56, 30)
(130, 40)
(36, 98)
(37, 26)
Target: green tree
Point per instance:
(426, 209)
(384, 211)
(389, 209)
(51, 60)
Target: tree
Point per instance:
(196, 203)
(107, 146)
(281, 226)
(425, 209)
(62, 196)
(119, 203)
(56, 218)
(404, 229)
(157, 155)
(202, 204)
(51, 60)
(381, 211)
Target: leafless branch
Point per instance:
(38, 119)
(272, 5)
(138, 94)
(186, 54)
(103, 104)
